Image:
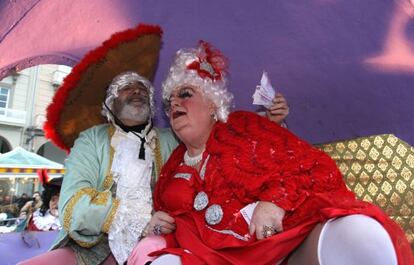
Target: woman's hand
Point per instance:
(279, 110)
(160, 223)
(266, 220)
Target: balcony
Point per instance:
(12, 117)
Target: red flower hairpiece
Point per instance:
(211, 62)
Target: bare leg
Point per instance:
(64, 256)
(307, 252)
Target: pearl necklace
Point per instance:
(192, 161)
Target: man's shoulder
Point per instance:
(167, 138)
(164, 131)
(97, 129)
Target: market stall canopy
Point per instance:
(22, 163)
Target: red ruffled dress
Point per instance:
(251, 159)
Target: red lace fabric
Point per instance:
(252, 159)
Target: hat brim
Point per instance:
(77, 105)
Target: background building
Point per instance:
(24, 97)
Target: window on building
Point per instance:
(4, 99)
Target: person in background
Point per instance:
(46, 217)
(22, 200)
(32, 205)
(7, 199)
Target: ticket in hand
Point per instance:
(264, 93)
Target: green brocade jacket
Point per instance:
(87, 205)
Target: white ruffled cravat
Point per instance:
(133, 178)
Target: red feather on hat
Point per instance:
(43, 176)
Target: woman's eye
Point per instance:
(185, 94)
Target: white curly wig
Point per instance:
(204, 68)
(118, 83)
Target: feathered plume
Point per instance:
(43, 176)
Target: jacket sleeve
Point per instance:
(86, 206)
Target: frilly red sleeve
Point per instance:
(265, 162)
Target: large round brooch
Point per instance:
(200, 201)
(214, 214)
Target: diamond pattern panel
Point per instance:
(379, 169)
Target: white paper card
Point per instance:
(247, 212)
(264, 93)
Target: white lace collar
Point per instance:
(47, 221)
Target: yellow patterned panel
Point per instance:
(379, 169)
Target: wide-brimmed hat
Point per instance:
(77, 104)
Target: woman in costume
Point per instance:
(243, 190)
(46, 218)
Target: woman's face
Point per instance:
(53, 204)
(190, 113)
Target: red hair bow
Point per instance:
(211, 62)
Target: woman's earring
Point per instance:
(214, 116)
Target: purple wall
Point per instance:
(345, 66)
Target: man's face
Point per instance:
(132, 106)
(36, 196)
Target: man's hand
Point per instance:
(266, 220)
(160, 223)
(279, 110)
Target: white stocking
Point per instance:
(355, 240)
(167, 259)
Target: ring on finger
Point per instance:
(268, 231)
(157, 229)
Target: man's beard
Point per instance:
(139, 114)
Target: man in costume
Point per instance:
(106, 197)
